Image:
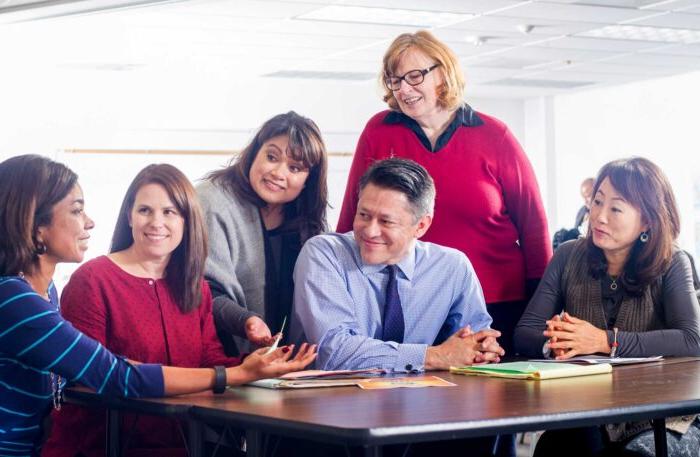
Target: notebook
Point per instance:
(533, 370)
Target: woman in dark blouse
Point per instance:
(259, 211)
(625, 290)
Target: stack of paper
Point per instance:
(533, 370)
(319, 378)
(594, 359)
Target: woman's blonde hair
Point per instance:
(450, 94)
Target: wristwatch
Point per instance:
(219, 379)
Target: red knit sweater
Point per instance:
(137, 318)
(488, 204)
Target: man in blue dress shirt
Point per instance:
(345, 296)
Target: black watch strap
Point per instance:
(219, 379)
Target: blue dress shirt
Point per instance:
(339, 301)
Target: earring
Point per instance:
(39, 248)
(644, 237)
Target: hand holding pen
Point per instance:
(257, 331)
(278, 337)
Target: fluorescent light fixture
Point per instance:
(642, 33)
(386, 16)
(338, 75)
(543, 83)
(12, 11)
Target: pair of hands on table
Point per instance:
(465, 347)
(570, 337)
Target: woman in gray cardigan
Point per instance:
(259, 211)
(625, 290)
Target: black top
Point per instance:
(281, 251)
(465, 116)
(681, 336)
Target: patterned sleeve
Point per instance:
(33, 333)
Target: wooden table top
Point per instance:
(476, 406)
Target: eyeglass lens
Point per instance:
(413, 77)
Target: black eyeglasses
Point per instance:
(413, 78)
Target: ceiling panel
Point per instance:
(567, 12)
(502, 22)
(677, 5)
(650, 59)
(451, 6)
(679, 50)
(508, 48)
(672, 20)
(601, 44)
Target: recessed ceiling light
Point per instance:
(640, 33)
(389, 16)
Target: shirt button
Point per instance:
(150, 282)
(409, 367)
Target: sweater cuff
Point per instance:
(230, 317)
(153, 374)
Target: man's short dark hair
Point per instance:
(407, 177)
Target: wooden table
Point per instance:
(477, 406)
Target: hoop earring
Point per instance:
(39, 248)
(644, 237)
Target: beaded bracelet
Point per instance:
(615, 344)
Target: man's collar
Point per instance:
(407, 265)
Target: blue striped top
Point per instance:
(36, 341)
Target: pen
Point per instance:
(277, 338)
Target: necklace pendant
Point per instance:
(613, 285)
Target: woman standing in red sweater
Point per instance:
(488, 203)
(147, 300)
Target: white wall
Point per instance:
(656, 119)
(46, 110)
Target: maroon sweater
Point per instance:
(488, 204)
(137, 318)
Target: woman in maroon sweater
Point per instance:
(488, 203)
(147, 301)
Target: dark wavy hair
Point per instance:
(643, 185)
(307, 213)
(30, 187)
(185, 270)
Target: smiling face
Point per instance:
(156, 224)
(66, 237)
(615, 223)
(419, 102)
(274, 175)
(384, 227)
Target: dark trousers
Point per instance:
(474, 447)
(505, 317)
(573, 442)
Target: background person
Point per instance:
(259, 211)
(587, 195)
(625, 290)
(489, 206)
(42, 223)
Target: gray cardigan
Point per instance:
(235, 267)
